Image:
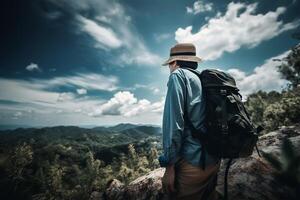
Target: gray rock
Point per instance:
(249, 178)
(146, 187)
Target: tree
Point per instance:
(257, 104)
(22, 157)
(290, 67)
(286, 111)
(153, 161)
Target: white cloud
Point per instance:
(158, 107)
(140, 56)
(24, 91)
(124, 103)
(265, 77)
(117, 104)
(239, 27)
(141, 106)
(153, 89)
(91, 81)
(198, 7)
(27, 96)
(65, 96)
(81, 91)
(41, 107)
(103, 19)
(103, 35)
(38, 94)
(33, 67)
(237, 74)
(112, 29)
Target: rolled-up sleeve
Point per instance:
(173, 120)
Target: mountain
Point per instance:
(118, 127)
(36, 157)
(11, 127)
(106, 142)
(122, 132)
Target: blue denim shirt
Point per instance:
(183, 87)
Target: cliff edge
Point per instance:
(249, 178)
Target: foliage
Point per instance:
(21, 157)
(257, 103)
(273, 109)
(284, 112)
(290, 68)
(287, 169)
(44, 165)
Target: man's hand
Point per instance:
(168, 180)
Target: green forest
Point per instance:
(72, 162)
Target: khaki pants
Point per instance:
(194, 183)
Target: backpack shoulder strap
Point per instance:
(194, 131)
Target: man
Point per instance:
(185, 177)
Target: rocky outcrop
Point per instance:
(249, 178)
(146, 187)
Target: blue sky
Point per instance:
(79, 62)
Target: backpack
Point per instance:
(230, 133)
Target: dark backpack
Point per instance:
(230, 132)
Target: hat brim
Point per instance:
(182, 58)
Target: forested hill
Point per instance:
(105, 142)
(104, 136)
(49, 162)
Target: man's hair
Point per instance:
(189, 64)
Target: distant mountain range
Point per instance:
(118, 127)
(102, 136)
(106, 142)
(11, 127)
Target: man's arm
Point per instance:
(173, 125)
(173, 119)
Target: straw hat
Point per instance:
(184, 52)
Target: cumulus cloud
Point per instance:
(50, 107)
(126, 104)
(39, 94)
(33, 67)
(240, 26)
(265, 77)
(198, 7)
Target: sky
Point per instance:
(98, 62)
